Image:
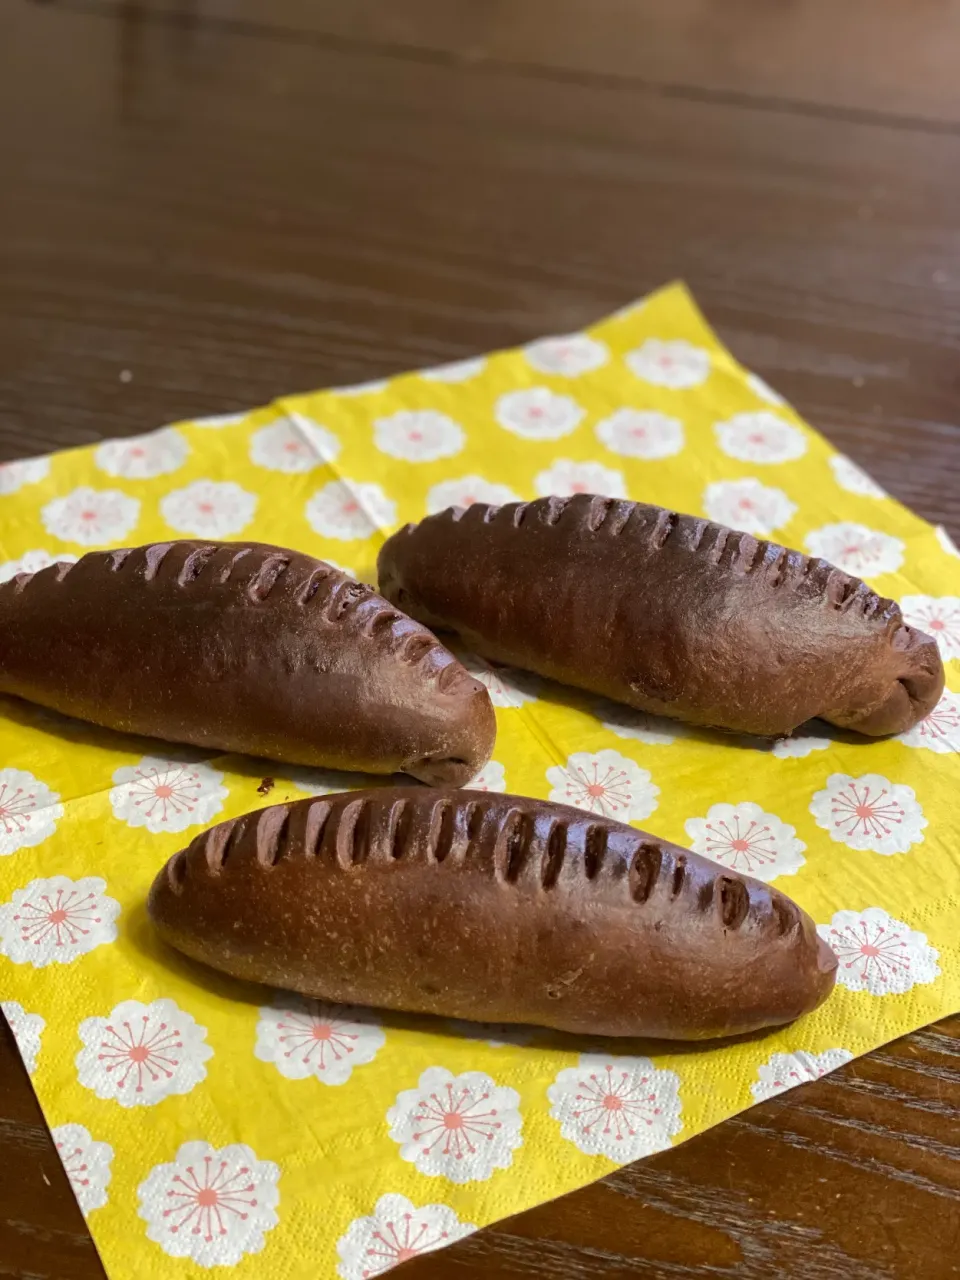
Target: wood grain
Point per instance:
(208, 204)
(874, 56)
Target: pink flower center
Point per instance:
(292, 446)
(350, 508)
(741, 846)
(207, 1197)
(868, 949)
(322, 1031)
(596, 789)
(163, 792)
(578, 488)
(864, 810)
(205, 507)
(136, 452)
(757, 438)
(88, 515)
(416, 435)
(452, 1120)
(139, 1053)
(405, 1254)
(58, 916)
(936, 624)
(612, 1103)
(536, 411)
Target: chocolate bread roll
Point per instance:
(668, 613)
(243, 647)
(494, 908)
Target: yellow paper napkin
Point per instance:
(205, 1123)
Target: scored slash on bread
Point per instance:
(669, 613)
(491, 907)
(243, 647)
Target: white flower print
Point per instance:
(619, 1107)
(878, 953)
(677, 365)
(745, 839)
(458, 1127)
(869, 812)
(939, 616)
(363, 388)
(418, 435)
(166, 795)
(86, 1163)
(798, 747)
(465, 492)
(31, 562)
(567, 356)
(856, 549)
(498, 1035)
(27, 1029)
(140, 1054)
(507, 686)
(54, 921)
(760, 437)
(947, 544)
(641, 433)
(29, 811)
(395, 1232)
(143, 457)
(939, 730)
(628, 722)
(764, 390)
(853, 478)
(304, 1038)
(457, 371)
(537, 413)
(490, 778)
(293, 445)
(604, 782)
(91, 516)
(209, 508)
(212, 1206)
(567, 477)
(784, 1071)
(217, 421)
(347, 510)
(14, 475)
(749, 505)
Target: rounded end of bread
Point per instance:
(164, 894)
(911, 687)
(468, 741)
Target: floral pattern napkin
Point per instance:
(208, 1124)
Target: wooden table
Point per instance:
(209, 203)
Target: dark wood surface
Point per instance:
(206, 204)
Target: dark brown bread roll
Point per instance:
(668, 613)
(243, 647)
(494, 908)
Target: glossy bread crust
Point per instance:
(243, 647)
(491, 907)
(668, 613)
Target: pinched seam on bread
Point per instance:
(340, 831)
(723, 547)
(407, 640)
